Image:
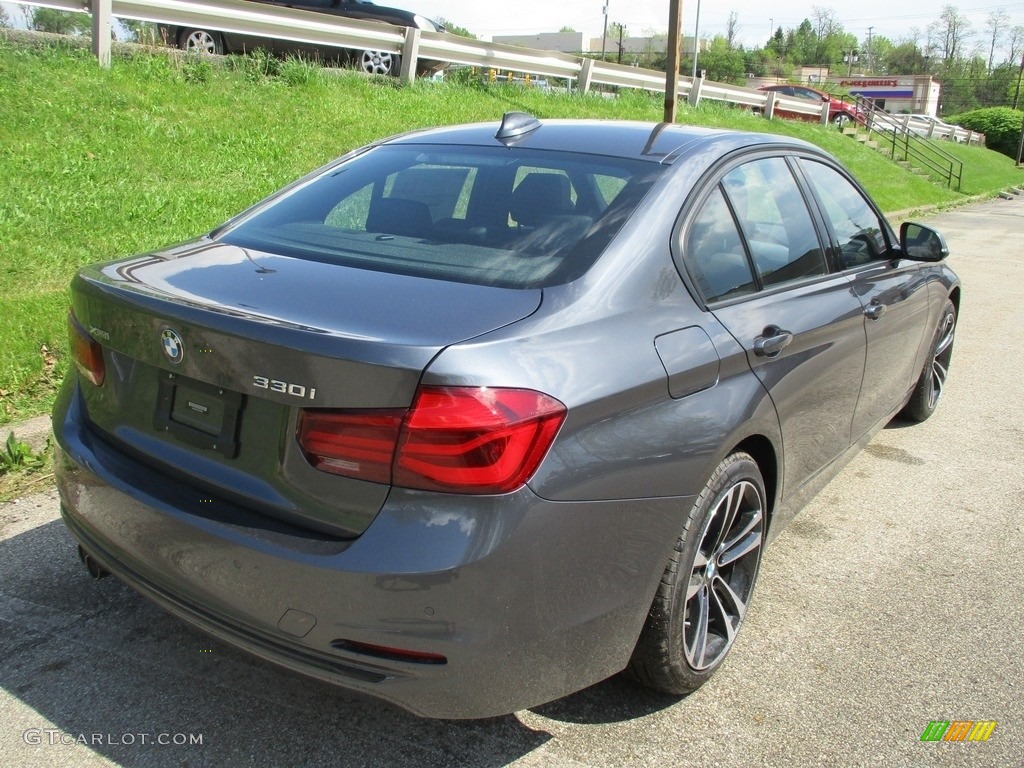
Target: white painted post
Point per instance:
(101, 31)
(695, 85)
(586, 73)
(824, 112)
(410, 55)
(769, 106)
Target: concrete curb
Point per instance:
(925, 210)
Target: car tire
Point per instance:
(925, 397)
(706, 588)
(841, 120)
(201, 41)
(379, 62)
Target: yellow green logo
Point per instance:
(958, 730)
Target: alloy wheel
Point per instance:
(201, 41)
(377, 62)
(941, 357)
(722, 576)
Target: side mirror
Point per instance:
(922, 243)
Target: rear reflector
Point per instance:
(86, 351)
(387, 652)
(478, 440)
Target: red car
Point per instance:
(839, 112)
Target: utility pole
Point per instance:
(868, 69)
(675, 20)
(620, 43)
(1016, 95)
(696, 34)
(604, 35)
(850, 57)
(1020, 146)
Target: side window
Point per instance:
(859, 230)
(714, 252)
(774, 219)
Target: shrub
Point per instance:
(1001, 126)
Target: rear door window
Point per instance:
(753, 232)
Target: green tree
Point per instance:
(617, 35)
(732, 28)
(953, 31)
(59, 22)
(144, 32)
(878, 53)
(454, 29)
(722, 63)
(5, 20)
(903, 59)
(802, 44)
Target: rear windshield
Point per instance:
(486, 215)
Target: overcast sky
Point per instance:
(895, 20)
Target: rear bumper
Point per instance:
(527, 600)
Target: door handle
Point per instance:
(773, 342)
(875, 310)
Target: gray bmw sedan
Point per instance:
(478, 416)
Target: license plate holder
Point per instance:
(199, 414)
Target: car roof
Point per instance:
(656, 142)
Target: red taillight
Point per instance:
(453, 439)
(86, 351)
(358, 444)
(475, 440)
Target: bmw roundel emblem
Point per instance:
(173, 346)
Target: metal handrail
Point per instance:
(910, 147)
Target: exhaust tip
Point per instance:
(95, 570)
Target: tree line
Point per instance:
(976, 67)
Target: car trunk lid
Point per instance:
(212, 351)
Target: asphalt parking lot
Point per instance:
(893, 600)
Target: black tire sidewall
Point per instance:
(920, 406)
(734, 469)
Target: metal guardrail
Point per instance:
(262, 20)
(245, 17)
(908, 146)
